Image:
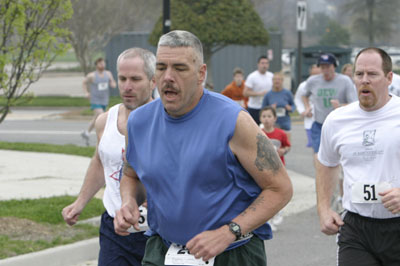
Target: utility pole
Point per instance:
(301, 14)
(166, 16)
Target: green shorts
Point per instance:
(249, 254)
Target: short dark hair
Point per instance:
(266, 108)
(386, 60)
(237, 70)
(98, 60)
(262, 57)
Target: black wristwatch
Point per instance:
(235, 229)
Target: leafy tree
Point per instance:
(318, 24)
(217, 23)
(95, 22)
(29, 41)
(335, 34)
(373, 18)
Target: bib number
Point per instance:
(102, 86)
(143, 225)
(180, 255)
(368, 192)
(280, 112)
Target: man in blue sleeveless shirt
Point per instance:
(211, 177)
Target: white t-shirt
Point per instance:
(258, 82)
(111, 149)
(367, 145)
(298, 101)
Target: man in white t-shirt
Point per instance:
(363, 137)
(136, 68)
(257, 84)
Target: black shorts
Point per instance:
(255, 114)
(119, 250)
(365, 241)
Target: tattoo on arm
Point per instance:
(266, 155)
(253, 207)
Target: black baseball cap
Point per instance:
(327, 59)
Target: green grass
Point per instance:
(58, 101)
(51, 148)
(13, 247)
(47, 210)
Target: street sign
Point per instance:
(301, 14)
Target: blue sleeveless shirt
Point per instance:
(193, 180)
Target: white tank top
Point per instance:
(111, 150)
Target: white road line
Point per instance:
(45, 132)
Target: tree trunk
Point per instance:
(4, 111)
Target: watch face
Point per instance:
(235, 229)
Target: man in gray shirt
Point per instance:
(97, 88)
(329, 90)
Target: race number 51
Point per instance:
(368, 192)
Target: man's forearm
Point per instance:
(131, 187)
(249, 92)
(94, 181)
(326, 181)
(270, 201)
(306, 102)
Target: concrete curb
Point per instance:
(59, 256)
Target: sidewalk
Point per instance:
(40, 175)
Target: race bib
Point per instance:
(280, 111)
(142, 221)
(179, 255)
(368, 192)
(102, 86)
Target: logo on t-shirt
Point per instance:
(117, 175)
(369, 137)
(327, 94)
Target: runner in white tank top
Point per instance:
(136, 69)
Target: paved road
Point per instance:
(37, 125)
(298, 240)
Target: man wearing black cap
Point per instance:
(329, 90)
